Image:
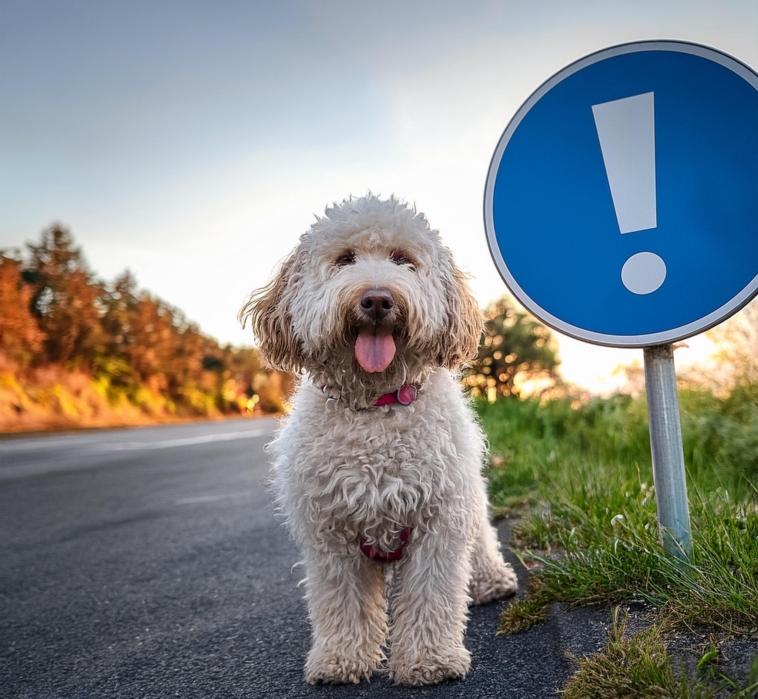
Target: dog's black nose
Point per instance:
(377, 303)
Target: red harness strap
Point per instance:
(386, 556)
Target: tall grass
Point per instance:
(543, 444)
(582, 475)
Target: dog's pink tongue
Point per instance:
(374, 352)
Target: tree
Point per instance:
(65, 297)
(515, 348)
(53, 311)
(119, 301)
(20, 336)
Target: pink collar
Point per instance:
(404, 395)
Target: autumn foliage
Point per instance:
(20, 336)
(76, 349)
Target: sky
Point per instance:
(193, 142)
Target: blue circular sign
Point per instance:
(621, 204)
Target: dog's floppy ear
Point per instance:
(460, 339)
(268, 311)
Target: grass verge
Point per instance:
(608, 552)
(582, 480)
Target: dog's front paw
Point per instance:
(329, 667)
(431, 667)
(494, 583)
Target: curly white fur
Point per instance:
(346, 471)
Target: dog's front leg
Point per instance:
(429, 610)
(348, 619)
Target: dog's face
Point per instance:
(370, 290)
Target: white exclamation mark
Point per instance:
(626, 129)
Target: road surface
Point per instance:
(148, 563)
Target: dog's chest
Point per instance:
(369, 475)
(382, 478)
(389, 472)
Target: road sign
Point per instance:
(621, 204)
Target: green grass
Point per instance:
(640, 666)
(525, 612)
(538, 441)
(609, 553)
(580, 477)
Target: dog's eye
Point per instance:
(399, 257)
(346, 258)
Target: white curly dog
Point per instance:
(378, 466)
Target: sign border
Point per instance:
(679, 333)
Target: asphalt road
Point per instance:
(148, 563)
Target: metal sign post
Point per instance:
(620, 209)
(666, 446)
